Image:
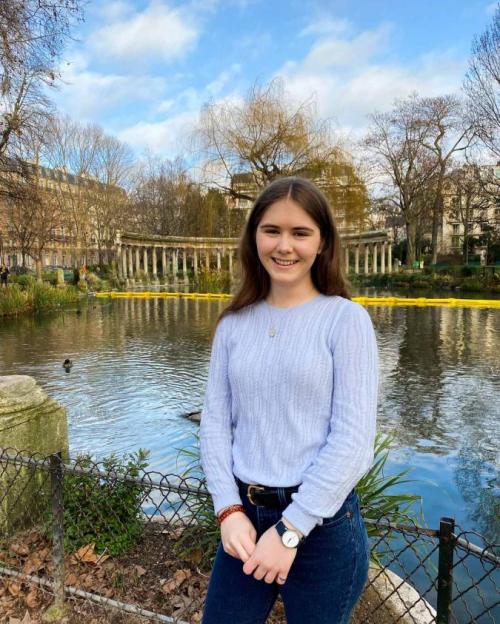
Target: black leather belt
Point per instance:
(265, 496)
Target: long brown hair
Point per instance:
(326, 272)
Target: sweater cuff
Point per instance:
(300, 519)
(224, 500)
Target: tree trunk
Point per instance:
(411, 236)
(38, 267)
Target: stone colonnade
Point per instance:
(367, 257)
(165, 261)
(168, 258)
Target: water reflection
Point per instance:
(139, 363)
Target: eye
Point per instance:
(301, 234)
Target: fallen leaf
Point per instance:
(19, 549)
(178, 578)
(139, 570)
(71, 579)
(32, 598)
(27, 618)
(33, 564)
(86, 554)
(14, 588)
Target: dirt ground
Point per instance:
(151, 576)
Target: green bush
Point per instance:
(13, 300)
(104, 509)
(94, 282)
(50, 277)
(472, 284)
(210, 281)
(24, 280)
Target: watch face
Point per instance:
(290, 539)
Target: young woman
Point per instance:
(288, 422)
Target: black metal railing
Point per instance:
(89, 536)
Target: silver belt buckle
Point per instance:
(251, 490)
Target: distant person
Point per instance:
(288, 421)
(4, 275)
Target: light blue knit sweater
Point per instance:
(297, 407)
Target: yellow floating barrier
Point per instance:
(375, 301)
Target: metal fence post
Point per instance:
(445, 570)
(56, 489)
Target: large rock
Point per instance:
(31, 422)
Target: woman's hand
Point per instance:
(270, 559)
(238, 536)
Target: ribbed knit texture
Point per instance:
(299, 407)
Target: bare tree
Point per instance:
(482, 84)
(448, 135)
(32, 36)
(395, 142)
(469, 202)
(32, 210)
(266, 135)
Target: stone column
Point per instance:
(176, 262)
(130, 264)
(164, 263)
(195, 261)
(230, 254)
(382, 258)
(375, 251)
(119, 260)
(346, 259)
(154, 258)
(356, 259)
(367, 254)
(184, 263)
(218, 260)
(145, 257)
(124, 262)
(207, 259)
(137, 261)
(389, 258)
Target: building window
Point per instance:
(456, 228)
(455, 242)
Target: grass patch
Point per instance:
(35, 297)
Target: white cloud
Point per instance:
(157, 31)
(349, 77)
(168, 137)
(86, 94)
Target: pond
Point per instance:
(139, 364)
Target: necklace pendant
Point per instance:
(272, 332)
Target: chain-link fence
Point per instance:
(109, 542)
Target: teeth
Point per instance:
(284, 262)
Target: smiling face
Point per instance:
(288, 241)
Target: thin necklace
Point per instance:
(272, 329)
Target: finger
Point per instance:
(270, 576)
(249, 566)
(280, 579)
(248, 544)
(242, 553)
(260, 573)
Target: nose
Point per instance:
(284, 244)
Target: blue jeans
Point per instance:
(323, 585)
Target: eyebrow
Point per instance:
(299, 227)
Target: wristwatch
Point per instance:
(289, 537)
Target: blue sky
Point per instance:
(143, 68)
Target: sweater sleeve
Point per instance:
(348, 451)
(216, 436)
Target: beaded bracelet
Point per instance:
(228, 511)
